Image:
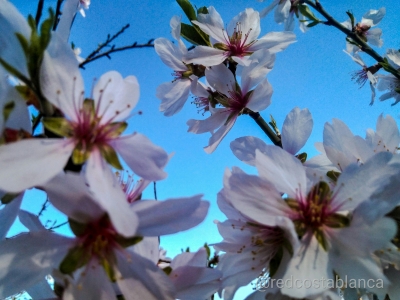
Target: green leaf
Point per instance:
(59, 126)
(188, 9)
(351, 16)
(23, 42)
(207, 250)
(45, 31)
(312, 24)
(190, 34)
(302, 157)
(306, 11)
(76, 258)
(8, 108)
(111, 156)
(32, 22)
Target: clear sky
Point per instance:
(313, 73)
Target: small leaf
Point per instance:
(188, 9)
(190, 34)
(351, 16)
(207, 250)
(306, 11)
(202, 10)
(312, 24)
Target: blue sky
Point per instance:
(313, 73)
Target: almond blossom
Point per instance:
(238, 41)
(235, 99)
(389, 82)
(335, 230)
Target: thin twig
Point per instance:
(37, 122)
(58, 226)
(350, 34)
(39, 12)
(44, 206)
(155, 190)
(149, 44)
(58, 14)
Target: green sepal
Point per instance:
(76, 258)
(207, 250)
(117, 128)
(274, 125)
(321, 192)
(275, 262)
(8, 108)
(190, 34)
(333, 175)
(59, 126)
(188, 9)
(31, 22)
(127, 242)
(108, 268)
(111, 156)
(45, 30)
(319, 235)
(302, 157)
(221, 46)
(397, 90)
(7, 198)
(202, 10)
(10, 69)
(23, 42)
(167, 270)
(351, 16)
(80, 156)
(306, 11)
(312, 24)
(337, 221)
(77, 228)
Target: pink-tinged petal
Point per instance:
(289, 24)
(269, 8)
(282, 11)
(193, 283)
(170, 216)
(26, 259)
(149, 247)
(32, 162)
(12, 22)
(173, 96)
(244, 148)
(217, 137)
(211, 24)
(8, 215)
(175, 24)
(92, 283)
(274, 41)
(394, 56)
(60, 79)
(69, 193)
(108, 193)
(142, 279)
(221, 79)
(255, 198)
(261, 63)
(30, 221)
(283, 170)
(296, 129)
(19, 117)
(194, 259)
(386, 127)
(198, 88)
(310, 263)
(170, 54)
(205, 56)
(225, 206)
(248, 22)
(69, 10)
(260, 99)
(216, 120)
(115, 97)
(374, 37)
(359, 183)
(142, 156)
(373, 17)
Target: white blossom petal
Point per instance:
(173, 96)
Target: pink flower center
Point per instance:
(237, 44)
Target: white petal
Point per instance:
(170, 54)
(260, 99)
(217, 137)
(244, 148)
(248, 23)
(8, 215)
(221, 79)
(269, 8)
(216, 120)
(283, 170)
(32, 162)
(26, 259)
(261, 63)
(194, 259)
(60, 79)
(142, 156)
(148, 248)
(274, 41)
(296, 129)
(115, 97)
(12, 22)
(30, 221)
(173, 96)
(282, 11)
(170, 216)
(69, 10)
(205, 56)
(108, 193)
(211, 24)
(374, 37)
(373, 17)
(394, 56)
(19, 117)
(69, 193)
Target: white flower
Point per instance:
(235, 98)
(390, 82)
(364, 31)
(238, 41)
(174, 94)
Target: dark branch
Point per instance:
(58, 14)
(44, 206)
(39, 12)
(265, 127)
